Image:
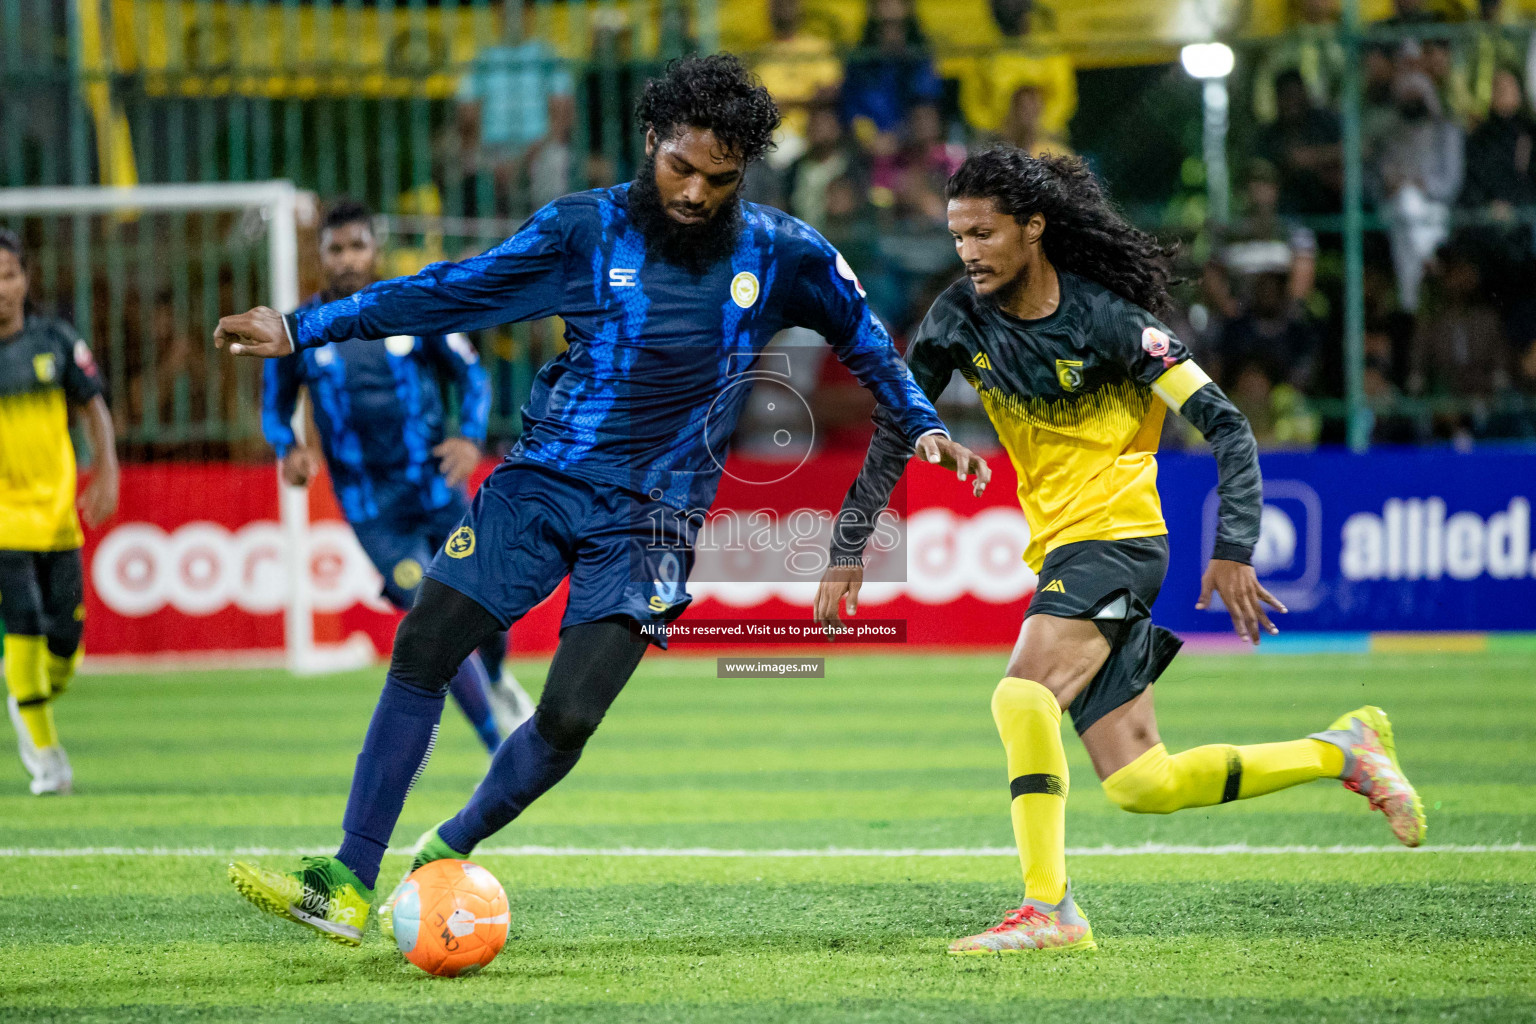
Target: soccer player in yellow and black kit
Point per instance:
(1054, 328)
(45, 368)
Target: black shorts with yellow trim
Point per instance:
(1112, 583)
(42, 593)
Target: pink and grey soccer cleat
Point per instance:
(1050, 928)
(1371, 769)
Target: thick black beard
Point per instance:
(693, 247)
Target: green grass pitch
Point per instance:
(102, 920)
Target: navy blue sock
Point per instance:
(468, 688)
(395, 752)
(524, 768)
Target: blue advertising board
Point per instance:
(1396, 539)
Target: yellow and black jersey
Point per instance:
(1074, 397)
(43, 370)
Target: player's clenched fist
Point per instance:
(257, 332)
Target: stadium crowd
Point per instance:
(870, 135)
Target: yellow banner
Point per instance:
(206, 47)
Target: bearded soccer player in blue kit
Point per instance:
(399, 480)
(668, 287)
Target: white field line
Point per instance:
(1145, 849)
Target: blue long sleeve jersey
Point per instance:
(379, 409)
(642, 398)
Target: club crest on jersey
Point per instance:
(1069, 374)
(744, 289)
(45, 367)
(461, 544)
(399, 345)
(846, 273)
(1154, 342)
(407, 573)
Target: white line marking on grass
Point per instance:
(1145, 849)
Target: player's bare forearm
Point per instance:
(99, 500)
(257, 332)
(1243, 595)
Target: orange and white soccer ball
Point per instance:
(451, 918)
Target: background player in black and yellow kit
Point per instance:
(45, 370)
(1054, 328)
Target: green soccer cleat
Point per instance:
(324, 895)
(1371, 769)
(428, 848)
(1034, 927)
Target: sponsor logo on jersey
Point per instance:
(461, 544)
(744, 289)
(1069, 374)
(622, 277)
(45, 366)
(981, 361)
(399, 345)
(846, 273)
(1154, 342)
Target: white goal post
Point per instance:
(279, 204)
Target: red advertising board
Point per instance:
(193, 563)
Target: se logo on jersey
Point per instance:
(622, 277)
(1069, 373)
(461, 544)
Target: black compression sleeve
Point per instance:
(931, 367)
(870, 493)
(1237, 467)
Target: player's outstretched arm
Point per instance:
(1191, 393)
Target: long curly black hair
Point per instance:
(1084, 233)
(715, 92)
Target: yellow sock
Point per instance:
(61, 670)
(27, 680)
(1156, 783)
(1029, 722)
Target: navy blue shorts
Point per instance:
(401, 545)
(530, 526)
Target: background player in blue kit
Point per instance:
(398, 478)
(668, 287)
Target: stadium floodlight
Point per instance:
(277, 204)
(1207, 60)
(1211, 63)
